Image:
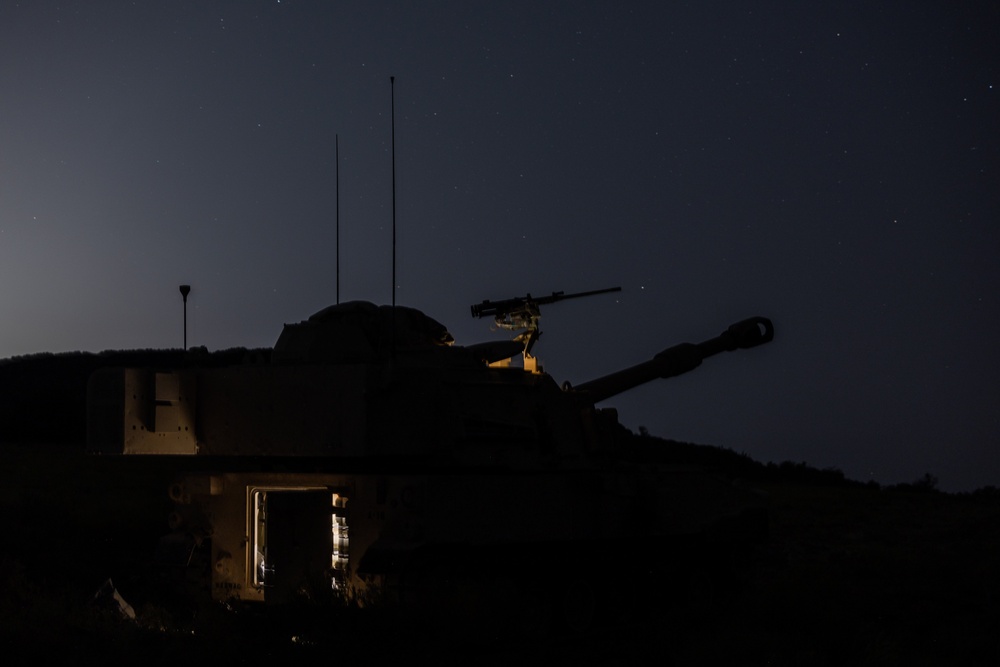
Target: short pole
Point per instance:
(185, 290)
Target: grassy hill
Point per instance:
(851, 575)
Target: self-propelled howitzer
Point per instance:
(372, 451)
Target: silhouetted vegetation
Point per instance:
(926, 484)
(741, 465)
(738, 464)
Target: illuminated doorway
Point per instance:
(299, 542)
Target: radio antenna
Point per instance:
(392, 102)
(392, 116)
(336, 154)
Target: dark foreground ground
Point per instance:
(851, 575)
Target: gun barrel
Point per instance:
(487, 307)
(680, 359)
(561, 296)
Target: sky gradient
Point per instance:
(834, 168)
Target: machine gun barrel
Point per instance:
(680, 358)
(499, 308)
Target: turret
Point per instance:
(680, 359)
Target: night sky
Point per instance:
(832, 166)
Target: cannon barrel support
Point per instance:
(680, 359)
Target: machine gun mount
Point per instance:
(524, 313)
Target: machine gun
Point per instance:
(523, 313)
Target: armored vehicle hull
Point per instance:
(372, 459)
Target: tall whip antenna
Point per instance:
(336, 153)
(392, 102)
